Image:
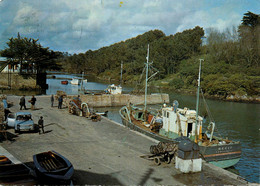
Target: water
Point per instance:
(92, 84)
(237, 121)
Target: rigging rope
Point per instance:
(207, 108)
(209, 113)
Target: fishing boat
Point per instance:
(64, 82)
(114, 89)
(15, 174)
(172, 122)
(51, 165)
(4, 160)
(75, 81)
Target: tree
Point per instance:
(27, 52)
(249, 32)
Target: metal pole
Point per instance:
(81, 87)
(146, 77)
(121, 73)
(197, 104)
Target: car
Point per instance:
(21, 121)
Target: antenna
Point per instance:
(197, 104)
(146, 77)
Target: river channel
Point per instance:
(237, 121)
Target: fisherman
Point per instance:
(6, 111)
(40, 124)
(164, 104)
(79, 98)
(52, 100)
(60, 102)
(22, 103)
(32, 101)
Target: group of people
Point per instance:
(60, 100)
(22, 102)
(33, 101)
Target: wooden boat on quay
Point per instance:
(14, 174)
(172, 122)
(53, 166)
(4, 160)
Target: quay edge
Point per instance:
(109, 100)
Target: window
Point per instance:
(11, 115)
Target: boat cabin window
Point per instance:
(167, 114)
(189, 128)
(140, 114)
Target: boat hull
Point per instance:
(52, 166)
(64, 82)
(225, 155)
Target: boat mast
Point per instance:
(81, 87)
(146, 77)
(121, 73)
(197, 104)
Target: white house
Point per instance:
(4, 66)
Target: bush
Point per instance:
(176, 83)
(223, 85)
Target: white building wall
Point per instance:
(15, 70)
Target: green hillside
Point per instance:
(230, 67)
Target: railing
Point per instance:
(2, 67)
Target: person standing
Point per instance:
(32, 101)
(60, 102)
(22, 103)
(6, 111)
(52, 100)
(40, 124)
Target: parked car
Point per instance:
(21, 121)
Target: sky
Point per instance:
(76, 26)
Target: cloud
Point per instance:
(79, 25)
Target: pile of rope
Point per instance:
(164, 147)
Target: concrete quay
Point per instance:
(109, 100)
(104, 152)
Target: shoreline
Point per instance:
(22, 84)
(255, 99)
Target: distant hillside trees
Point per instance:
(165, 51)
(231, 65)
